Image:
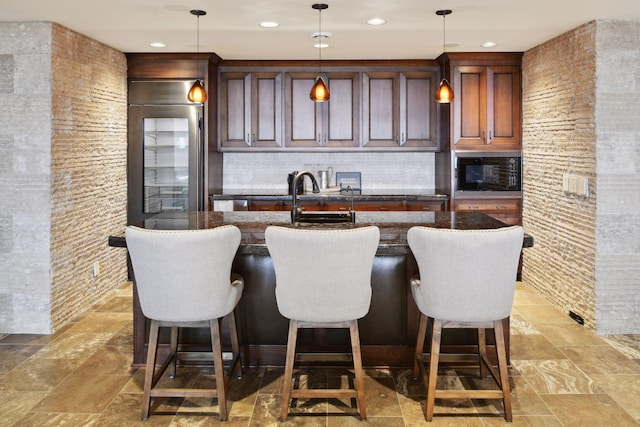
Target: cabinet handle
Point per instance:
(319, 140)
(490, 137)
(248, 140)
(253, 137)
(501, 207)
(397, 139)
(474, 207)
(484, 136)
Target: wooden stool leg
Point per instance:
(422, 334)
(482, 351)
(288, 368)
(173, 349)
(216, 345)
(502, 366)
(434, 356)
(152, 352)
(357, 367)
(235, 344)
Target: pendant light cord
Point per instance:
(320, 38)
(198, 43)
(444, 33)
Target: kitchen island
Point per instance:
(387, 332)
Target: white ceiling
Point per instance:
(231, 29)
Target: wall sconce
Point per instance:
(197, 93)
(319, 91)
(444, 94)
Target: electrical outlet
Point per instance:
(96, 268)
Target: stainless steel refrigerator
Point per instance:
(166, 150)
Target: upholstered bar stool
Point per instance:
(184, 280)
(323, 280)
(467, 280)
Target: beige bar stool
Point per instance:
(467, 280)
(183, 279)
(323, 280)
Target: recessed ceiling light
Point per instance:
(269, 24)
(489, 44)
(321, 45)
(157, 44)
(376, 21)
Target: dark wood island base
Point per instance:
(388, 332)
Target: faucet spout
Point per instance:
(295, 210)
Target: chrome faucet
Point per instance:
(295, 210)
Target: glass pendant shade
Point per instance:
(197, 93)
(444, 94)
(319, 91)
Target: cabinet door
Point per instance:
(322, 124)
(486, 108)
(417, 110)
(302, 115)
(235, 110)
(381, 109)
(504, 107)
(469, 105)
(250, 110)
(266, 111)
(341, 118)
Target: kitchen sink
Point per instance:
(326, 217)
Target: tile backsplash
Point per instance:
(384, 173)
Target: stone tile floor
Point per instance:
(561, 374)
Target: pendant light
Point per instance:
(319, 91)
(197, 93)
(444, 94)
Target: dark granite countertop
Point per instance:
(337, 195)
(393, 225)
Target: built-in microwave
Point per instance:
(488, 171)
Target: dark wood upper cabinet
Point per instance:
(399, 110)
(334, 123)
(374, 105)
(250, 109)
(486, 109)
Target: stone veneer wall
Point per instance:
(617, 114)
(580, 117)
(63, 166)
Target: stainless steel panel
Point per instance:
(150, 92)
